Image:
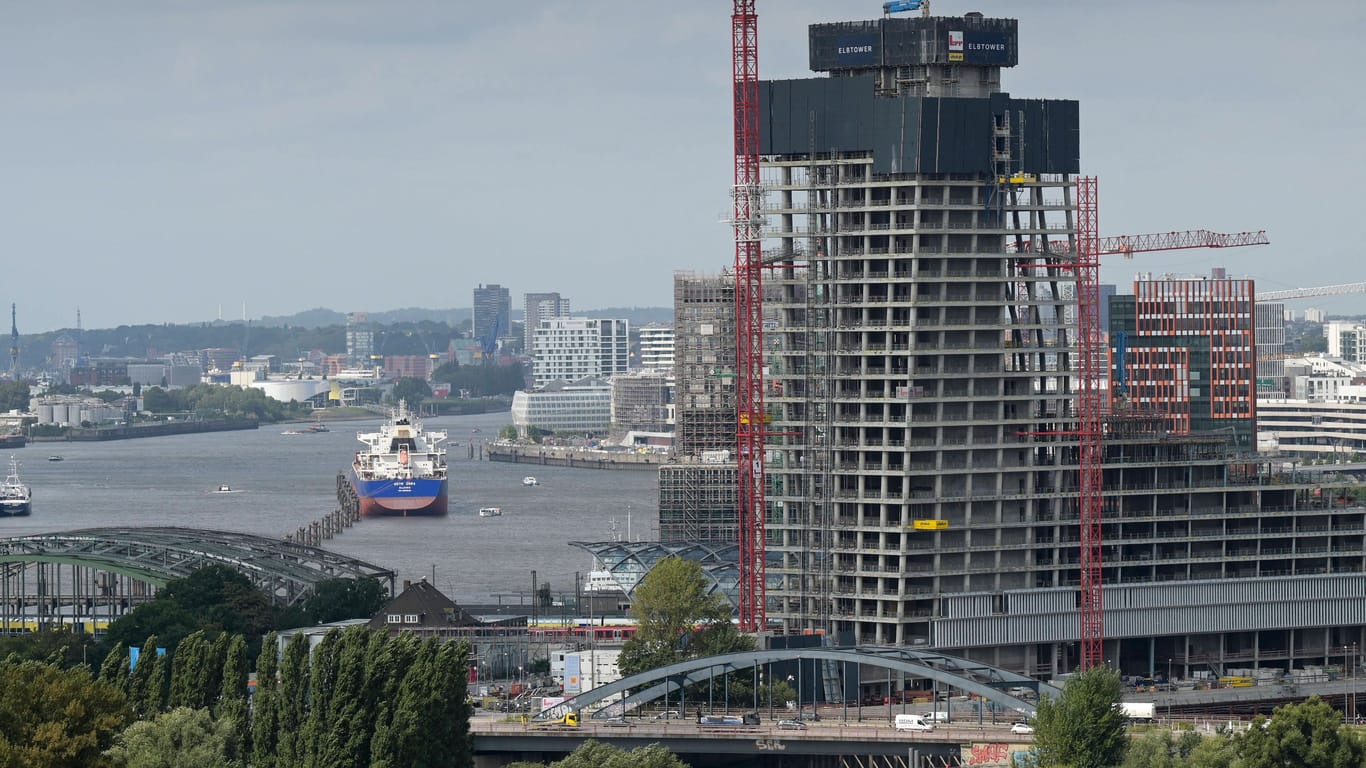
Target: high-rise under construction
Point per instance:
(923, 441)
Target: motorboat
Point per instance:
(490, 511)
(530, 481)
(54, 458)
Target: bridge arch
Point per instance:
(990, 683)
(43, 572)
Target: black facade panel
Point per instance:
(914, 134)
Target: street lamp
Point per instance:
(790, 680)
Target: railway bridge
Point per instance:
(88, 577)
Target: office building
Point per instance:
(1270, 335)
(1346, 339)
(360, 339)
(1190, 352)
(573, 348)
(541, 306)
(579, 407)
(492, 315)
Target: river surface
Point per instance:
(282, 482)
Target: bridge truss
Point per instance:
(96, 574)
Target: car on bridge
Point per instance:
(1022, 729)
(792, 724)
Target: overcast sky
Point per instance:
(161, 160)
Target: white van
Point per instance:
(937, 716)
(913, 723)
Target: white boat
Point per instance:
(490, 511)
(225, 488)
(16, 500)
(529, 481)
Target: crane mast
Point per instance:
(1091, 370)
(749, 317)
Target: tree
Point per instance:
(14, 395)
(293, 705)
(265, 720)
(181, 738)
(337, 599)
(232, 702)
(159, 617)
(678, 619)
(411, 389)
(1306, 735)
(57, 718)
(1084, 727)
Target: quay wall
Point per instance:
(573, 457)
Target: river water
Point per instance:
(282, 482)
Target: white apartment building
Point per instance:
(657, 347)
(1346, 340)
(573, 348)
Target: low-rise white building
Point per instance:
(580, 407)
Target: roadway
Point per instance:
(497, 736)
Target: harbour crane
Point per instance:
(1306, 293)
(13, 342)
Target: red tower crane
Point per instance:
(749, 317)
(1091, 398)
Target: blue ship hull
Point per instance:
(401, 497)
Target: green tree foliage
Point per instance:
(14, 395)
(482, 380)
(410, 389)
(293, 703)
(57, 718)
(232, 701)
(114, 671)
(596, 754)
(212, 400)
(678, 619)
(265, 719)
(214, 598)
(1305, 735)
(60, 643)
(181, 738)
(1084, 727)
(338, 599)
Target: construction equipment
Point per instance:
(1306, 293)
(1092, 371)
(747, 221)
(13, 342)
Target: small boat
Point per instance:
(530, 481)
(54, 458)
(490, 511)
(225, 488)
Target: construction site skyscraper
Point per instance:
(924, 452)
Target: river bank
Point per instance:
(134, 431)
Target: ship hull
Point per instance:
(15, 509)
(416, 497)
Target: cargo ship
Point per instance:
(401, 471)
(16, 500)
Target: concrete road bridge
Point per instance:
(85, 577)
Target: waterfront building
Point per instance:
(642, 401)
(924, 454)
(573, 348)
(580, 407)
(540, 306)
(697, 488)
(657, 347)
(1270, 335)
